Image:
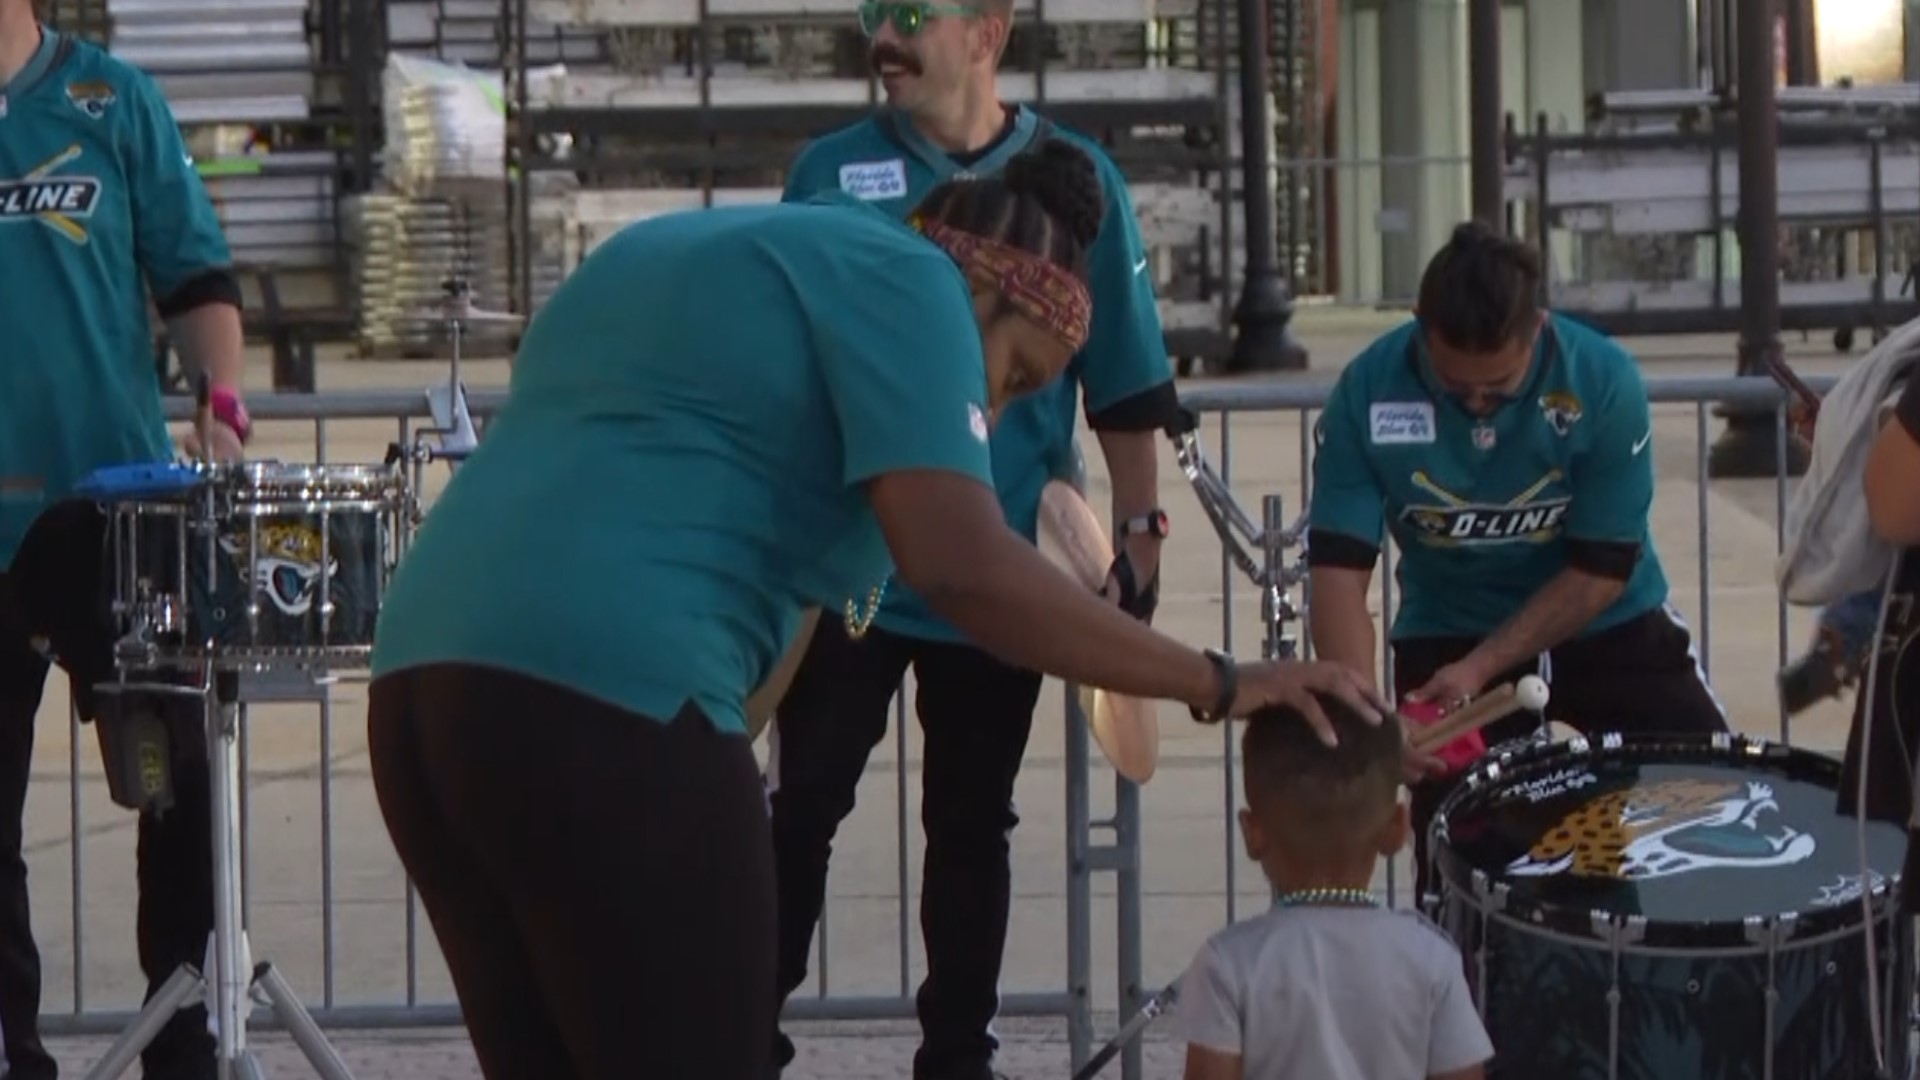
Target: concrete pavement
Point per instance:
(1194, 873)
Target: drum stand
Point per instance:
(452, 428)
(234, 976)
(1274, 538)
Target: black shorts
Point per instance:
(1640, 677)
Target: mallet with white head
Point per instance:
(1527, 695)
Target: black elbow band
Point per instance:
(1340, 551)
(1149, 410)
(212, 287)
(1603, 558)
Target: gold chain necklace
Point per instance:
(857, 624)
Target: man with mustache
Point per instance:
(945, 120)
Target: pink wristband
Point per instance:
(227, 408)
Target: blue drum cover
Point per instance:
(154, 480)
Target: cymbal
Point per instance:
(1127, 728)
(466, 313)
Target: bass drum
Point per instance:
(1674, 908)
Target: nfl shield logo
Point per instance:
(1483, 438)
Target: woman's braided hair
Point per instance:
(1047, 201)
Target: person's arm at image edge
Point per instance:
(1124, 370)
(1892, 475)
(1346, 526)
(180, 247)
(1606, 525)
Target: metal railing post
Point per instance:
(1128, 917)
(1079, 792)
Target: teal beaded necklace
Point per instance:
(1326, 898)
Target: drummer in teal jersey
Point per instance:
(937, 62)
(1509, 452)
(721, 420)
(101, 213)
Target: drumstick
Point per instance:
(1528, 695)
(203, 415)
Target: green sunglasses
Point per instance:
(908, 18)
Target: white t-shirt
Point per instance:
(1333, 993)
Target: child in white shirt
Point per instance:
(1328, 985)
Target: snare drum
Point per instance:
(257, 564)
(1673, 908)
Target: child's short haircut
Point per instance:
(1317, 801)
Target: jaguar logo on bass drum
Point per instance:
(286, 568)
(1667, 828)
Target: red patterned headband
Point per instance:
(1038, 289)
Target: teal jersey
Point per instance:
(886, 162)
(680, 467)
(99, 204)
(1483, 511)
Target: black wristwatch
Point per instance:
(1229, 688)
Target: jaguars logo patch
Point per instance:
(1561, 409)
(1665, 829)
(92, 98)
(287, 567)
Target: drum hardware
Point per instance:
(1274, 537)
(218, 571)
(229, 980)
(452, 429)
(1156, 1004)
(1646, 921)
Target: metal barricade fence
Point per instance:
(1110, 845)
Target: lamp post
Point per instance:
(1265, 340)
(1747, 447)
(1483, 109)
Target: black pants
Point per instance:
(1640, 677)
(599, 882)
(976, 713)
(54, 591)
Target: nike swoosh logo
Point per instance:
(1642, 444)
(1141, 266)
